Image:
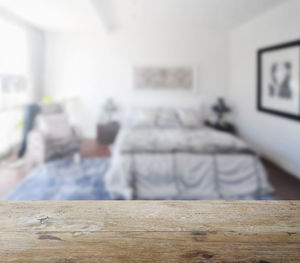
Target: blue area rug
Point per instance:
(64, 179)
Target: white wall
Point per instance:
(276, 137)
(94, 66)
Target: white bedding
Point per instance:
(184, 164)
(167, 140)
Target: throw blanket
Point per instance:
(184, 164)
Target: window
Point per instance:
(14, 81)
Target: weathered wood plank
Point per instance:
(147, 216)
(150, 231)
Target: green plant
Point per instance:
(47, 99)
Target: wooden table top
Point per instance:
(150, 231)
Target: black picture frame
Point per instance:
(260, 54)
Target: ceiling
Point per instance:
(64, 15)
(55, 15)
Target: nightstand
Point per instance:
(107, 132)
(226, 127)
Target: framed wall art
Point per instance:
(278, 84)
(164, 78)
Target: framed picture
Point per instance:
(164, 78)
(279, 80)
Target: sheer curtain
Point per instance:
(16, 87)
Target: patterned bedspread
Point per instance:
(200, 164)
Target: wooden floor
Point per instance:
(287, 187)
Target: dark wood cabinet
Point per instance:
(107, 132)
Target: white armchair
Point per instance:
(52, 138)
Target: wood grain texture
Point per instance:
(150, 231)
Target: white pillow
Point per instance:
(143, 118)
(53, 126)
(190, 118)
(167, 118)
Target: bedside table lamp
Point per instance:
(110, 108)
(220, 109)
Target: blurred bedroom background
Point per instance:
(149, 99)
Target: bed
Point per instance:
(166, 154)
